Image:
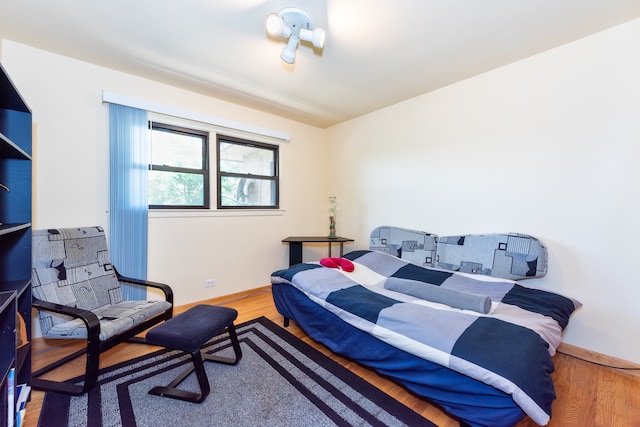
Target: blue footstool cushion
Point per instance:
(189, 331)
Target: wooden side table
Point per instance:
(296, 242)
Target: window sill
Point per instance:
(199, 213)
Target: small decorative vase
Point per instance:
(332, 217)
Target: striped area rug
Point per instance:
(280, 381)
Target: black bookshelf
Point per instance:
(15, 240)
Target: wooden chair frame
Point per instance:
(94, 347)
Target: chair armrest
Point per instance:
(166, 289)
(88, 317)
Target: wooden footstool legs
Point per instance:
(188, 332)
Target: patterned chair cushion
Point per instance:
(71, 267)
(114, 319)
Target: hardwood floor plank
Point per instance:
(611, 411)
(632, 401)
(587, 394)
(571, 378)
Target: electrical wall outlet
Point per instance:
(209, 283)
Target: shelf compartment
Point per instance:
(10, 150)
(13, 228)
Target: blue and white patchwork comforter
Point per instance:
(509, 348)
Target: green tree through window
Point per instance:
(179, 172)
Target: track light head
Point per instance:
(295, 24)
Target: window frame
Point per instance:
(205, 171)
(275, 178)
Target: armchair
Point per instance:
(77, 293)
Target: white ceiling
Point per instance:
(377, 53)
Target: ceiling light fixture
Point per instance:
(295, 24)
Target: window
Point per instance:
(179, 169)
(247, 174)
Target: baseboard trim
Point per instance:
(224, 299)
(625, 366)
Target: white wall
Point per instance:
(71, 175)
(548, 146)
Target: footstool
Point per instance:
(189, 332)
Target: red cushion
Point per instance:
(343, 263)
(329, 262)
(346, 265)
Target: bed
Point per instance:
(437, 315)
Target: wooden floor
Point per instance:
(587, 395)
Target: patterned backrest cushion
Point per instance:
(71, 267)
(504, 255)
(417, 247)
(509, 256)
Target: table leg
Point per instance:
(295, 253)
(341, 249)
